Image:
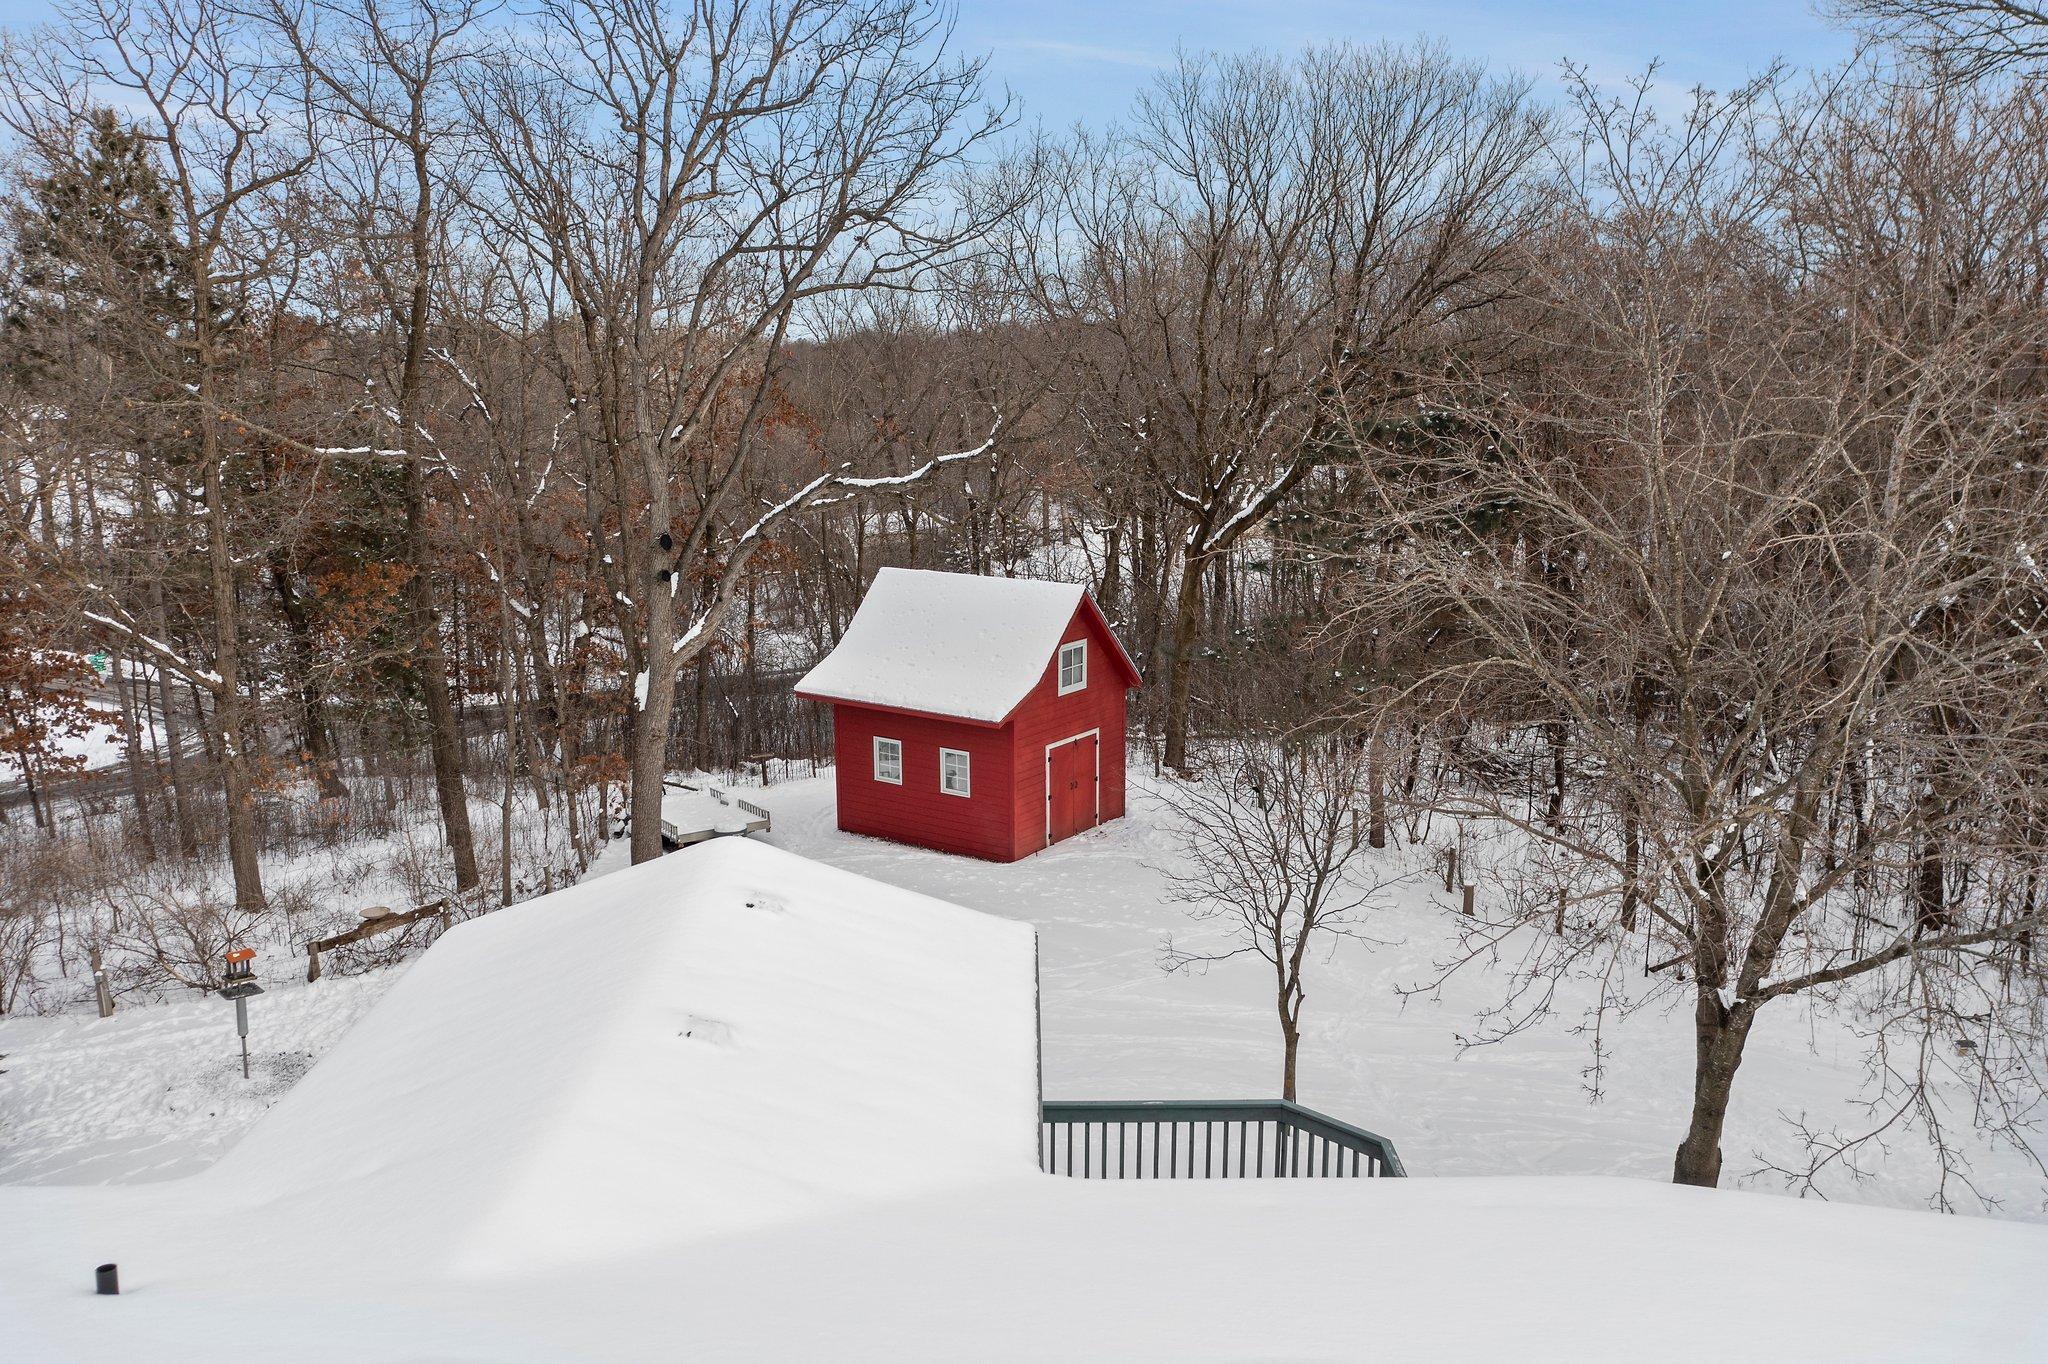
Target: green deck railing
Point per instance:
(1228, 1139)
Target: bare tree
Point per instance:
(1269, 844)
(1967, 38)
(1268, 235)
(229, 150)
(1755, 517)
(387, 76)
(690, 178)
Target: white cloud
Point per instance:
(1086, 52)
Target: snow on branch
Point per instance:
(1256, 507)
(355, 452)
(808, 495)
(163, 653)
(824, 490)
(476, 396)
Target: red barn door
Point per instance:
(1070, 782)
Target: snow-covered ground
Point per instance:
(101, 745)
(1118, 1027)
(734, 1105)
(156, 1091)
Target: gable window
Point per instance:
(1073, 666)
(953, 779)
(889, 760)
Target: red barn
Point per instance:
(982, 716)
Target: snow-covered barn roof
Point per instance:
(950, 644)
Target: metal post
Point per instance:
(1038, 1031)
(242, 1028)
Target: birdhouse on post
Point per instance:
(238, 983)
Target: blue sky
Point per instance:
(1083, 59)
(1074, 60)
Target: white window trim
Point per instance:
(896, 780)
(966, 771)
(1061, 664)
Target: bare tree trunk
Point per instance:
(230, 719)
(174, 733)
(700, 734)
(1376, 788)
(312, 707)
(1290, 1045)
(508, 693)
(649, 755)
(140, 773)
(1718, 1039)
(1554, 815)
(1930, 870)
(430, 666)
(1631, 866)
(35, 798)
(1291, 1039)
(429, 661)
(754, 742)
(1111, 589)
(229, 716)
(1187, 628)
(648, 758)
(444, 740)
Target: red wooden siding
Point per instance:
(1006, 816)
(1045, 717)
(918, 812)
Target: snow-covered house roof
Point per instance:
(732, 1035)
(950, 644)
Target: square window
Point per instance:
(953, 778)
(889, 761)
(1073, 666)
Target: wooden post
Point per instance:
(1463, 865)
(101, 988)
